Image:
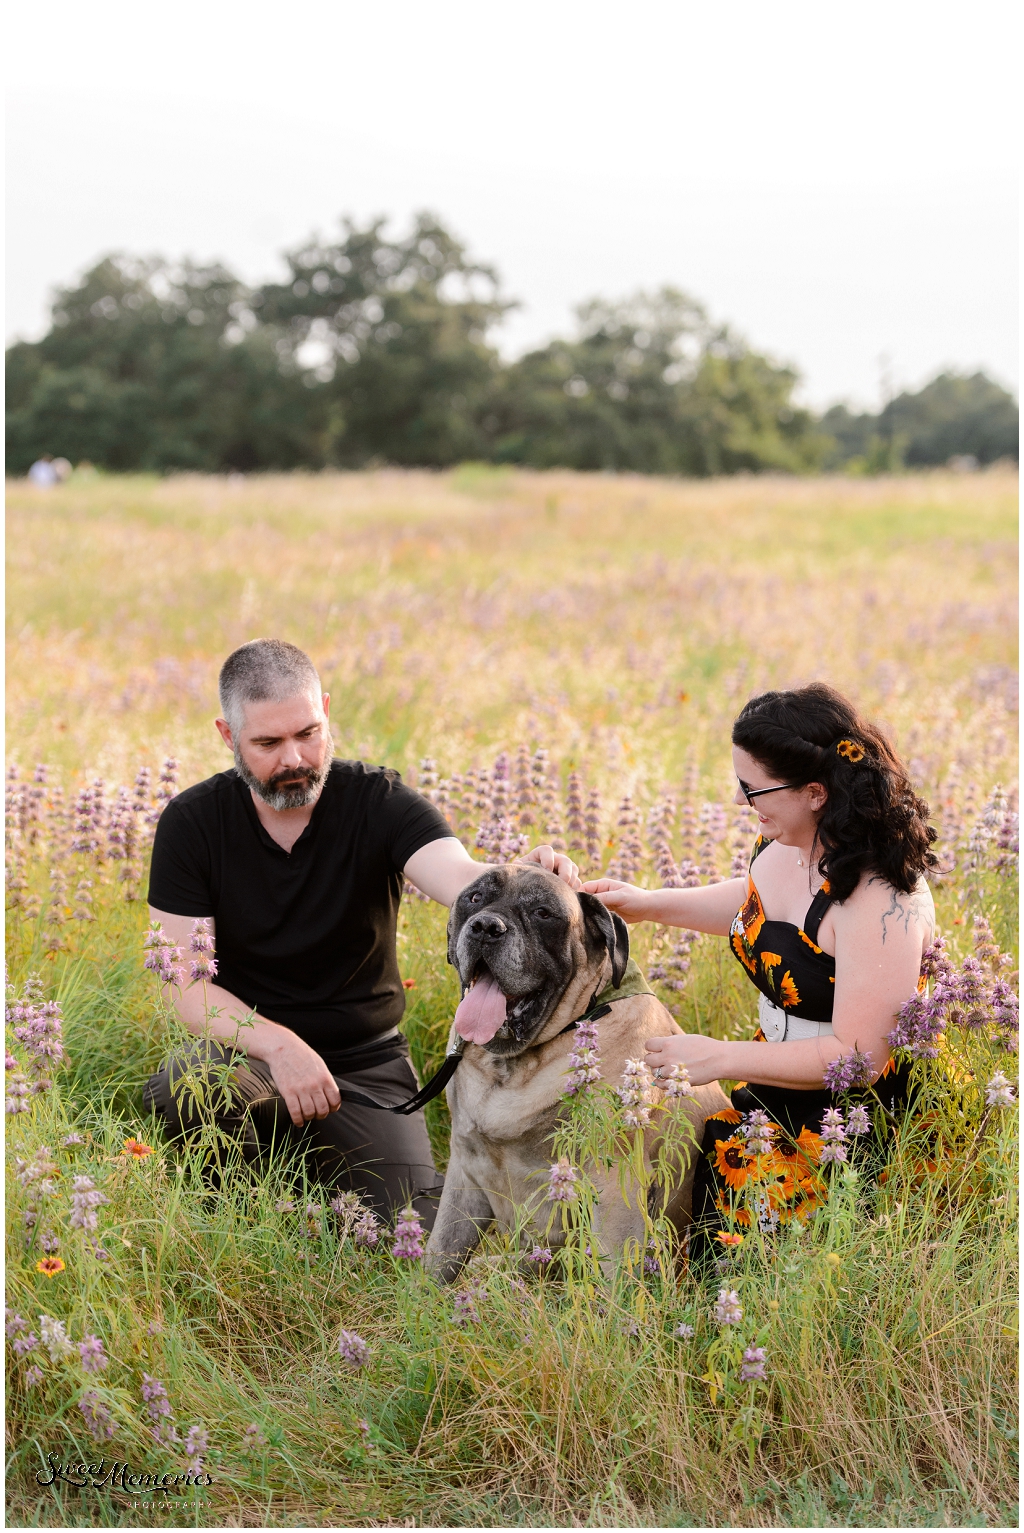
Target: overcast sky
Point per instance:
(836, 180)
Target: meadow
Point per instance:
(552, 656)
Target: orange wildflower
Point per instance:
(408, 984)
(732, 1162)
(810, 1143)
(50, 1266)
(729, 1239)
(136, 1148)
(740, 1216)
(727, 1115)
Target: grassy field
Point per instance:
(563, 654)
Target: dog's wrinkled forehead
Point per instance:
(516, 887)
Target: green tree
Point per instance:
(650, 385)
(395, 334)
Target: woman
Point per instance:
(831, 927)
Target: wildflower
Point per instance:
(562, 1182)
(408, 1243)
(284, 1206)
(677, 1082)
(100, 1252)
(85, 1199)
(728, 1310)
(33, 1376)
(857, 1120)
(759, 1132)
(919, 1023)
(729, 1238)
(408, 984)
(466, 1312)
(17, 1094)
(197, 1445)
(97, 1416)
(684, 1332)
(833, 1133)
(50, 1266)
(54, 1338)
(203, 966)
(10, 1063)
(158, 1409)
(354, 1351)
(94, 1359)
(999, 1092)
(253, 1438)
(540, 1256)
(13, 1323)
(752, 1369)
(25, 1344)
(137, 1149)
(635, 1093)
(584, 1061)
(848, 1071)
(71, 1140)
(367, 1230)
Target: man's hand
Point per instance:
(627, 901)
(301, 1076)
(555, 862)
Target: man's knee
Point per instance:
(208, 1081)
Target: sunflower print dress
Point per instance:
(734, 1188)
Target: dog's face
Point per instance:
(520, 939)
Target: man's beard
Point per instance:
(299, 794)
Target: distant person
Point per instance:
(298, 859)
(44, 473)
(830, 926)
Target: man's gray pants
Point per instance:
(383, 1156)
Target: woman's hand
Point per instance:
(701, 1056)
(558, 863)
(629, 902)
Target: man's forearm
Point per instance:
(220, 1014)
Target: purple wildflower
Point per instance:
(635, 1094)
(71, 1140)
(197, 1445)
(728, 1310)
(562, 1182)
(158, 1408)
(408, 1243)
(97, 1416)
(540, 1256)
(367, 1231)
(355, 1352)
(752, 1369)
(85, 1199)
(684, 1332)
(94, 1359)
(1006, 1013)
(50, 1242)
(918, 1025)
(857, 1120)
(204, 965)
(584, 1061)
(848, 1071)
(466, 1312)
(253, 1438)
(17, 1094)
(759, 1133)
(677, 1082)
(13, 1323)
(25, 1344)
(999, 1092)
(833, 1133)
(33, 1376)
(54, 1338)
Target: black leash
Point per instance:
(439, 1080)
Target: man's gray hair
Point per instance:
(264, 670)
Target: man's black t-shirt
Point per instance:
(305, 937)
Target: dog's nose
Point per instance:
(488, 926)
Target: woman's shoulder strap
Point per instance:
(759, 846)
(816, 911)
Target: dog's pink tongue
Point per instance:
(481, 1011)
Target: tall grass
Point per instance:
(456, 618)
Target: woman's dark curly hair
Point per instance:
(873, 821)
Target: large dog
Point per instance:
(532, 957)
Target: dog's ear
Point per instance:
(606, 929)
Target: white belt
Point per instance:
(779, 1027)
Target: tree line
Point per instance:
(380, 350)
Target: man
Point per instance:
(297, 861)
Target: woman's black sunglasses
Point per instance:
(751, 793)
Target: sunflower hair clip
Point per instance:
(850, 750)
